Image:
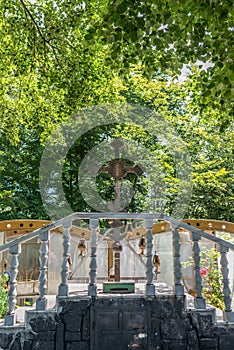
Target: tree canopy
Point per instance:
(160, 34)
(168, 34)
(58, 57)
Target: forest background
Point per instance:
(174, 57)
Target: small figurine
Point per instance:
(156, 262)
(82, 247)
(142, 245)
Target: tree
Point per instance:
(167, 34)
(59, 57)
(159, 34)
(211, 151)
(44, 79)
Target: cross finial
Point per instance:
(116, 168)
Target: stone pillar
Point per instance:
(149, 288)
(92, 289)
(178, 287)
(63, 288)
(41, 303)
(199, 302)
(9, 319)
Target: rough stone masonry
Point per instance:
(120, 322)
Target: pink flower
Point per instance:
(204, 271)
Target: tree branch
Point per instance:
(34, 22)
(38, 29)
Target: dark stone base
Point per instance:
(120, 322)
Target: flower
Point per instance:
(204, 271)
(212, 279)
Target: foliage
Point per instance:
(211, 277)
(227, 237)
(210, 153)
(61, 39)
(168, 34)
(44, 79)
(3, 298)
(210, 149)
(59, 57)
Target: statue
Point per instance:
(142, 245)
(156, 262)
(82, 247)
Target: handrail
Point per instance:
(35, 233)
(199, 232)
(14, 247)
(26, 237)
(127, 216)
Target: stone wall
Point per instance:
(120, 323)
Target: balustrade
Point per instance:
(63, 288)
(199, 301)
(44, 236)
(41, 303)
(178, 287)
(10, 318)
(226, 288)
(92, 288)
(150, 288)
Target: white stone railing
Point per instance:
(14, 248)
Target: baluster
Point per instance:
(199, 302)
(10, 318)
(41, 303)
(178, 288)
(92, 289)
(149, 288)
(229, 315)
(63, 288)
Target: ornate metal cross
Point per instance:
(118, 170)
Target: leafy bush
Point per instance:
(3, 298)
(212, 278)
